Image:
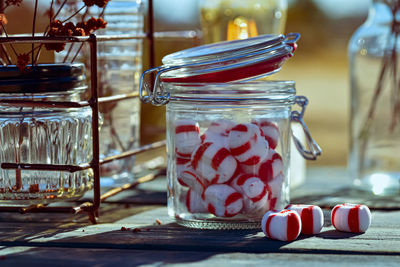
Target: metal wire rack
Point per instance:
(90, 207)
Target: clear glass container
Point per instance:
(119, 67)
(228, 141)
(44, 135)
(375, 101)
(205, 170)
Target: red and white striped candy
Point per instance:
(254, 191)
(222, 200)
(351, 218)
(190, 179)
(221, 127)
(268, 168)
(269, 130)
(282, 225)
(246, 144)
(213, 162)
(312, 218)
(187, 137)
(210, 136)
(195, 203)
(276, 185)
(181, 164)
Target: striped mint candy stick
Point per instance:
(283, 225)
(351, 218)
(187, 137)
(246, 144)
(312, 218)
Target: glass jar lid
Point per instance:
(238, 60)
(230, 60)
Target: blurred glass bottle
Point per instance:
(374, 159)
(119, 65)
(237, 19)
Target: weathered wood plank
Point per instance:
(36, 256)
(381, 238)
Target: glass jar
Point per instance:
(44, 135)
(119, 65)
(228, 143)
(375, 101)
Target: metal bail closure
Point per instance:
(156, 95)
(314, 149)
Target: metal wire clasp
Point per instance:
(155, 95)
(314, 149)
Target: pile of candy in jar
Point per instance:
(230, 168)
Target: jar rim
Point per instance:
(282, 91)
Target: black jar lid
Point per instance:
(42, 78)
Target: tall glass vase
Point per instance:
(374, 159)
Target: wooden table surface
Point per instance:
(66, 240)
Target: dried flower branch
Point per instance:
(56, 28)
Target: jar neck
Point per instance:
(383, 11)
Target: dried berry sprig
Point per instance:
(13, 2)
(56, 28)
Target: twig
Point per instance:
(77, 52)
(76, 13)
(5, 32)
(33, 29)
(59, 10)
(5, 53)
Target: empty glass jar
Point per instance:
(44, 135)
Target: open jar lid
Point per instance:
(228, 61)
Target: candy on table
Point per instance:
(187, 137)
(213, 162)
(351, 218)
(269, 130)
(267, 169)
(312, 218)
(255, 193)
(246, 144)
(190, 179)
(195, 203)
(284, 225)
(222, 200)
